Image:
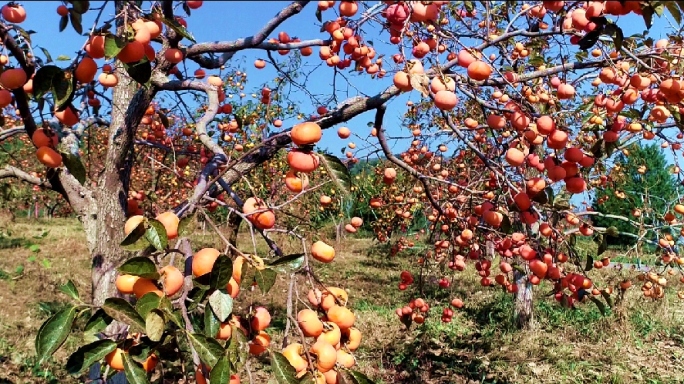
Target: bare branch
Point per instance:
(14, 172)
(249, 42)
(379, 115)
(7, 133)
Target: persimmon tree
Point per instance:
(518, 106)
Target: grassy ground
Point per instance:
(638, 342)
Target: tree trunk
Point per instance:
(522, 312)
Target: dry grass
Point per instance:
(640, 342)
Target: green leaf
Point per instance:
(590, 263)
(221, 272)
(140, 266)
(164, 120)
(221, 371)
(156, 235)
(63, 91)
(69, 288)
(98, 321)
(75, 166)
(221, 304)
(603, 246)
(42, 81)
(178, 28)
(618, 39)
(88, 355)
(136, 240)
(208, 349)
(151, 301)
(319, 15)
(288, 262)
(589, 39)
(63, 58)
(135, 373)
(211, 323)
(506, 225)
(113, 45)
(140, 72)
(154, 325)
(238, 351)
(140, 352)
(309, 379)
(48, 57)
(54, 332)
(121, 310)
(81, 6)
(357, 377)
(647, 13)
(184, 224)
(265, 279)
(606, 296)
(76, 20)
(612, 231)
(338, 172)
(283, 372)
(63, 22)
(196, 295)
(600, 305)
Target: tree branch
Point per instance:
(379, 115)
(231, 47)
(14, 172)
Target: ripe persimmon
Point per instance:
(515, 157)
(322, 252)
(143, 286)
(13, 78)
(14, 13)
(170, 222)
(293, 353)
(342, 316)
(108, 80)
(262, 220)
(259, 343)
(302, 161)
(115, 359)
(296, 183)
(479, 70)
(42, 138)
(306, 133)
(86, 70)
(326, 355)
(125, 283)
(132, 52)
(49, 157)
(67, 117)
(309, 323)
(203, 261)
(173, 55)
(225, 331)
(343, 132)
(95, 46)
(353, 338)
(172, 280)
(261, 319)
(401, 80)
(445, 100)
(5, 98)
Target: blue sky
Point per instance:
(217, 20)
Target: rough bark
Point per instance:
(107, 212)
(523, 316)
